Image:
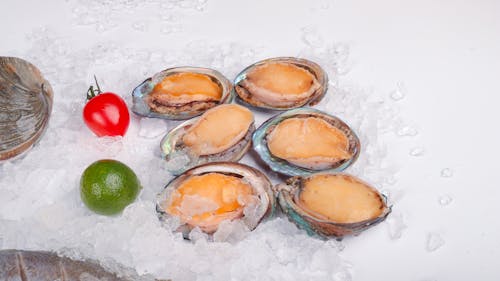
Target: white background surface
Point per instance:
(447, 55)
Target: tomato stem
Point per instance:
(91, 92)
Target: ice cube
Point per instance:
(446, 173)
(434, 242)
(151, 128)
(193, 205)
(445, 200)
(231, 231)
(407, 131)
(417, 151)
(140, 26)
(399, 93)
(396, 225)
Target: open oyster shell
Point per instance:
(281, 83)
(251, 213)
(148, 103)
(318, 224)
(25, 106)
(180, 156)
(283, 166)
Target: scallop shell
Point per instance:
(172, 149)
(284, 167)
(140, 93)
(25, 106)
(312, 67)
(289, 191)
(259, 182)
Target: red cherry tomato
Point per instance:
(106, 114)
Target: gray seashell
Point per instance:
(25, 106)
(40, 265)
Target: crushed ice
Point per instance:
(193, 205)
(106, 15)
(151, 128)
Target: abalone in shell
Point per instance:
(304, 141)
(222, 133)
(209, 194)
(281, 83)
(181, 93)
(331, 204)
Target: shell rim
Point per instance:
(281, 165)
(322, 78)
(141, 108)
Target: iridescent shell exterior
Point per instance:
(140, 94)
(245, 96)
(172, 148)
(259, 182)
(25, 106)
(288, 193)
(286, 168)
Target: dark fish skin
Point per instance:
(17, 265)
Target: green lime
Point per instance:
(108, 186)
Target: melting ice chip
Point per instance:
(417, 151)
(446, 173)
(396, 226)
(311, 37)
(445, 200)
(140, 26)
(434, 242)
(231, 231)
(109, 146)
(407, 131)
(399, 93)
(342, 276)
(178, 161)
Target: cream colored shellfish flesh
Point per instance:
(222, 133)
(281, 83)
